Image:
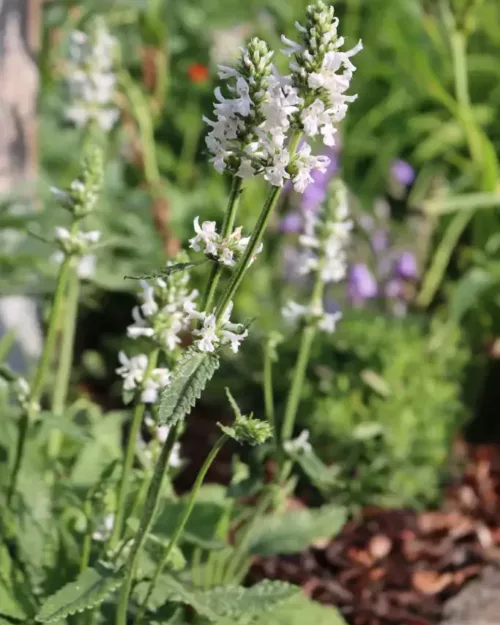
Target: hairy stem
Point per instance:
(145, 523)
(40, 374)
(227, 226)
(255, 239)
(182, 523)
(295, 392)
(63, 375)
(268, 392)
(129, 457)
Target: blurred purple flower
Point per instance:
(361, 284)
(394, 288)
(403, 172)
(293, 260)
(380, 240)
(292, 223)
(406, 266)
(315, 193)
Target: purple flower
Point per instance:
(403, 172)
(406, 266)
(380, 240)
(361, 284)
(393, 289)
(315, 193)
(292, 223)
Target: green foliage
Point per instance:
(190, 378)
(228, 601)
(296, 530)
(386, 420)
(297, 611)
(89, 590)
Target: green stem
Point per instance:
(87, 541)
(180, 527)
(295, 392)
(255, 239)
(147, 517)
(63, 375)
(129, 458)
(189, 144)
(40, 374)
(227, 226)
(242, 547)
(268, 392)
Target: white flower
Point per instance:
(305, 163)
(276, 173)
(132, 370)
(91, 79)
(227, 251)
(206, 235)
(86, 267)
(292, 312)
(212, 334)
(104, 528)
(300, 444)
(328, 322)
(161, 315)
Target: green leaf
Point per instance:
(189, 380)
(324, 477)
(87, 591)
(299, 611)
(469, 290)
(293, 531)
(229, 601)
(168, 270)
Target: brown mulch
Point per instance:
(387, 566)
(399, 567)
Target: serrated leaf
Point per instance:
(87, 591)
(189, 380)
(299, 611)
(228, 601)
(168, 270)
(293, 531)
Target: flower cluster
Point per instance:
(321, 72)
(325, 238)
(213, 333)
(133, 371)
(76, 245)
(293, 313)
(254, 128)
(161, 316)
(234, 140)
(226, 251)
(324, 242)
(91, 78)
(394, 271)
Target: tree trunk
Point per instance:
(19, 37)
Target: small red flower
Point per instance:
(198, 73)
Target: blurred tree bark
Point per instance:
(19, 36)
(19, 40)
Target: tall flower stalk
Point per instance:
(72, 255)
(257, 130)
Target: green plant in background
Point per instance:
(385, 420)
